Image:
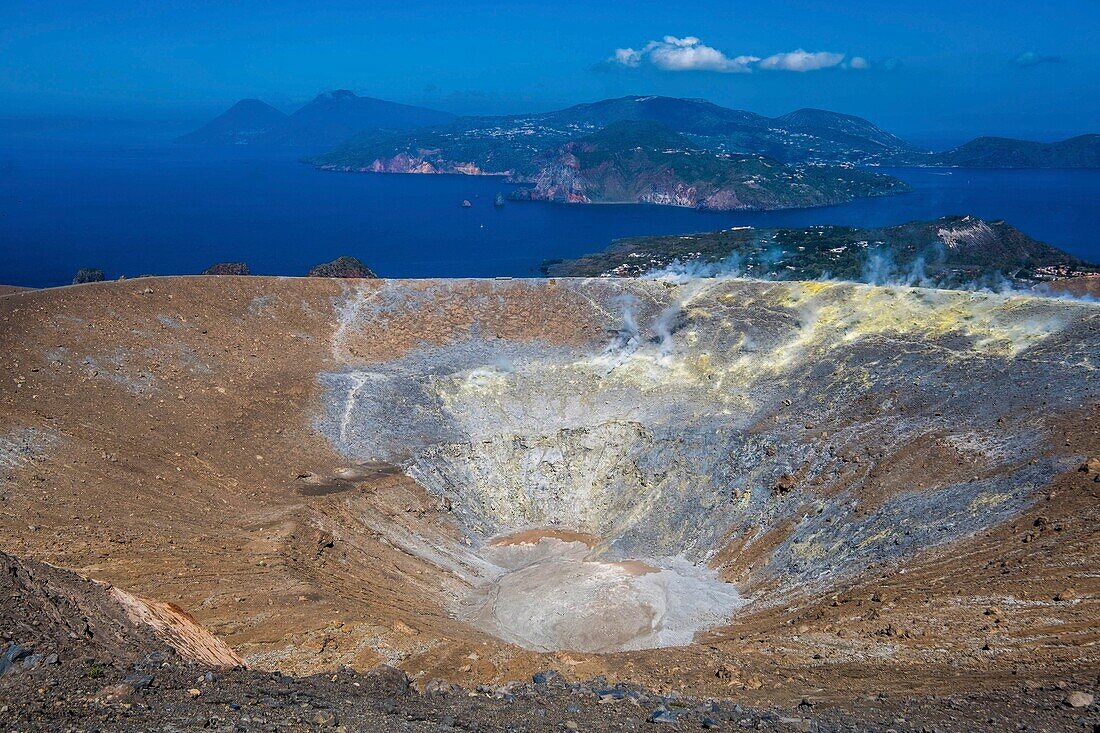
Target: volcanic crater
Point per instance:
(723, 483)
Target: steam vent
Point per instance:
(742, 488)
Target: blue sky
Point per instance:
(929, 69)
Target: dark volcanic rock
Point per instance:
(47, 609)
(342, 267)
(389, 680)
(546, 677)
(48, 614)
(58, 699)
(227, 268)
(12, 654)
(88, 275)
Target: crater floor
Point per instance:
(552, 595)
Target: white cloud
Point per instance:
(801, 60)
(627, 57)
(683, 54)
(691, 54)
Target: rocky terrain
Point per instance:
(794, 499)
(1080, 286)
(953, 252)
(50, 614)
(162, 692)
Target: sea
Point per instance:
(167, 209)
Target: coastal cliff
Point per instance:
(645, 162)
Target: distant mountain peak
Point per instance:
(245, 122)
(252, 103)
(330, 118)
(336, 94)
(815, 112)
(664, 98)
(842, 126)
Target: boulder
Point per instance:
(14, 653)
(785, 483)
(436, 687)
(1078, 699)
(545, 677)
(389, 679)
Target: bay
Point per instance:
(167, 209)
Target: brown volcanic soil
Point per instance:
(84, 660)
(11, 289)
(167, 444)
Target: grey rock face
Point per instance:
(716, 411)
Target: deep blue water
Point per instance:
(173, 210)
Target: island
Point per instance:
(1082, 151)
(951, 252)
(657, 150)
(646, 162)
(329, 119)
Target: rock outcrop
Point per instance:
(342, 267)
(47, 610)
(227, 268)
(88, 275)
